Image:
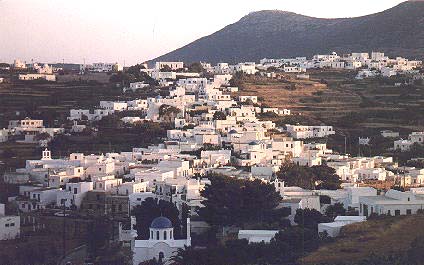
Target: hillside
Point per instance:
(278, 34)
(383, 238)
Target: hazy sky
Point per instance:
(136, 30)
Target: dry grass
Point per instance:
(357, 241)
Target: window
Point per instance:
(397, 212)
(157, 235)
(164, 235)
(75, 190)
(151, 234)
(389, 212)
(408, 211)
(7, 225)
(12, 224)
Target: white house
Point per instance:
(73, 194)
(389, 134)
(10, 226)
(354, 193)
(128, 188)
(28, 77)
(107, 183)
(333, 229)
(294, 69)
(114, 106)
(257, 236)
(4, 135)
(393, 203)
(304, 132)
(253, 99)
(172, 65)
(37, 198)
(137, 85)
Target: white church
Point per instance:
(161, 244)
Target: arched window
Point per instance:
(157, 235)
(151, 234)
(170, 236)
(164, 235)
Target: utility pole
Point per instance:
(64, 228)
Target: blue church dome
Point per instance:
(161, 223)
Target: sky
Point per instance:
(133, 31)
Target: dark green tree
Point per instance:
(335, 210)
(309, 218)
(219, 115)
(152, 208)
(325, 177)
(316, 177)
(196, 67)
(231, 201)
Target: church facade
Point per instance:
(161, 244)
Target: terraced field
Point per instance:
(45, 99)
(337, 98)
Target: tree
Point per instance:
(248, 102)
(335, 210)
(231, 201)
(324, 199)
(151, 262)
(168, 112)
(115, 254)
(285, 248)
(97, 236)
(166, 68)
(316, 177)
(186, 256)
(8, 153)
(152, 208)
(326, 177)
(299, 239)
(309, 218)
(132, 74)
(42, 137)
(294, 175)
(196, 67)
(219, 115)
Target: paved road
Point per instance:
(76, 257)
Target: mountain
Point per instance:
(398, 31)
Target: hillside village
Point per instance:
(215, 137)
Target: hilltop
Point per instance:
(280, 34)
